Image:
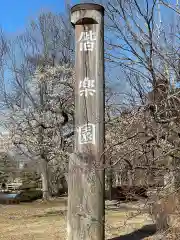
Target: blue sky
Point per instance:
(15, 14)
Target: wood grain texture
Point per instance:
(86, 173)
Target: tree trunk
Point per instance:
(44, 162)
(64, 184)
(131, 177)
(110, 183)
(118, 177)
(45, 180)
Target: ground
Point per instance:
(47, 221)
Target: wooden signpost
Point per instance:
(85, 218)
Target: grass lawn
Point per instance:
(47, 221)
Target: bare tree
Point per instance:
(145, 49)
(39, 105)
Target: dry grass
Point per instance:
(129, 218)
(48, 221)
(33, 221)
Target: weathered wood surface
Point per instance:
(85, 210)
(86, 173)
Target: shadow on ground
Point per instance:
(52, 213)
(139, 234)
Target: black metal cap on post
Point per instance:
(87, 6)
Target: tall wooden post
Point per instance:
(86, 174)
